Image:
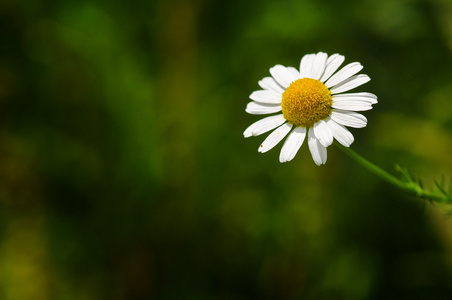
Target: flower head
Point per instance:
(313, 104)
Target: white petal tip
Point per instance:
(320, 163)
(284, 159)
(326, 143)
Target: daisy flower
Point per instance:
(313, 104)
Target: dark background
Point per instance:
(124, 173)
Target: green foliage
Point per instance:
(416, 188)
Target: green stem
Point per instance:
(409, 187)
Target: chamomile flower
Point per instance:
(310, 102)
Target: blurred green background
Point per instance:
(124, 173)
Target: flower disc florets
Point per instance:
(306, 101)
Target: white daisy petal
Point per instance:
(264, 96)
(368, 97)
(344, 74)
(350, 103)
(283, 76)
(332, 64)
(322, 133)
(350, 83)
(349, 118)
(318, 66)
(268, 83)
(306, 65)
(340, 133)
(275, 137)
(264, 125)
(294, 72)
(318, 151)
(256, 108)
(292, 144)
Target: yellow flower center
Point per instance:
(306, 101)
